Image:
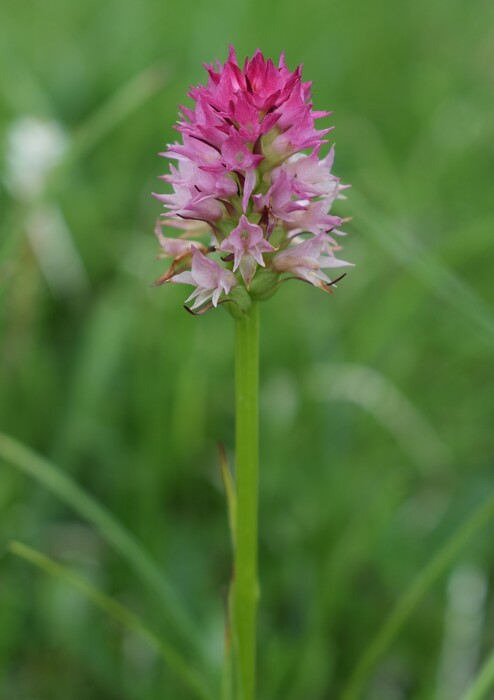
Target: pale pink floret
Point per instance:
(175, 247)
(210, 279)
(313, 218)
(279, 199)
(196, 192)
(302, 194)
(191, 228)
(308, 259)
(311, 176)
(247, 244)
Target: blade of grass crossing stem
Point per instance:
(122, 614)
(412, 596)
(111, 530)
(483, 682)
(228, 675)
(229, 486)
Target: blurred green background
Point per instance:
(377, 402)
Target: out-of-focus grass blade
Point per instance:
(119, 106)
(113, 532)
(228, 677)
(127, 618)
(375, 393)
(111, 113)
(483, 682)
(412, 596)
(434, 273)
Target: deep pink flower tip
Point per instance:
(248, 168)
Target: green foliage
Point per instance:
(127, 619)
(376, 438)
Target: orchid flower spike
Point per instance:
(249, 185)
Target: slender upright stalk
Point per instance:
(246, 588)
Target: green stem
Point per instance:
(246, 588)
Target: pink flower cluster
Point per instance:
(249, 186)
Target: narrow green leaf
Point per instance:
(228, 674)
(483, 682)
(229, 485)
(228, 677)
(412, 596)
(111, 530)
(127, 618)
(442, 281)
(110, 114)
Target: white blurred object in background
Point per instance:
(35, 148)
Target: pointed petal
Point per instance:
(249, 184)
(248, 268)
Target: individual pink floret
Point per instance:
(308, 259)
(311, 176)
(247, 244)
(209, 277)
(313, 218)
(175, 247)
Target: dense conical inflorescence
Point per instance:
(251, 194)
